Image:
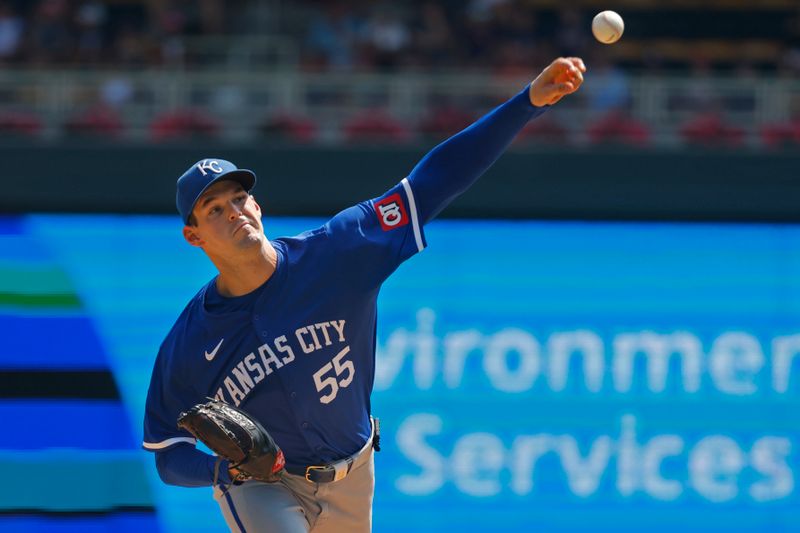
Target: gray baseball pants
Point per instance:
(295, 505)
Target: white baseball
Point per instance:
(607, 27)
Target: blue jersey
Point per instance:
(298, 353)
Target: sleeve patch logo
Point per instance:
(391, 212)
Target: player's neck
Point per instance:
(246, 274)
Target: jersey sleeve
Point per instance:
(162, 408)
(455, 165)
(377, 235)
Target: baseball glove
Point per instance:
(234, 435)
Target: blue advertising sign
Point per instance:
(546, 376)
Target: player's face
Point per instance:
(228, 219)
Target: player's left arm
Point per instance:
(184, 465)
(454, 165)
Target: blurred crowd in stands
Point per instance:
(508, 36)
(110, 33)
(381, 35)
(501, 38)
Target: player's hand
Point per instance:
(561, 77)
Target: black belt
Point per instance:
(329, 473)
(339, 469)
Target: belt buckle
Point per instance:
(340, 473)
(310, 468)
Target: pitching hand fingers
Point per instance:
(569, 71)
(570, 76)
(561, 77)
(577, 62)
(560, 90)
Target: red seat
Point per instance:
(183, 123)
(710, 129)
(20, 122)
(618, 127)
(544, 129)
(781, 134)
(290, 128)
(99, 120)
(376, 126)
(445, 121)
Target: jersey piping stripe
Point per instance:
(167, 443)
(234, 513)
(412, 206)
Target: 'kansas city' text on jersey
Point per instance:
(298, 352)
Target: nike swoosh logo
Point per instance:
(210, 355)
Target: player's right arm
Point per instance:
(381, 233)
(454, 165)
(177, 460)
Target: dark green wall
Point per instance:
(613, 183)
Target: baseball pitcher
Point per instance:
(271, 364)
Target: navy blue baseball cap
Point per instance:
(203, 175)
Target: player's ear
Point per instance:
(191, 236)
(258, 207)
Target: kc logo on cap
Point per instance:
(209, 164)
